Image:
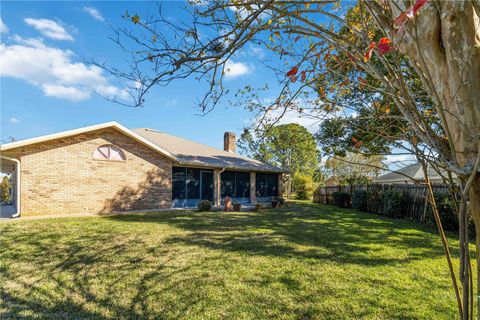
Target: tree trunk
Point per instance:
(475, 209)
(443, 45)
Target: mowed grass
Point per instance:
(304, 261)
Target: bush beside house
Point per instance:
(304, 186)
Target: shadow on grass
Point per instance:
(81, 272)
(62, 281)
(323, 232)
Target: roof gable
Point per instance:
(414, 172)
(179, 150)
(69, 133)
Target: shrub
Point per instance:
(340, 199)
(359, 200)
(303, 185)
(392, 203)
(204, 205)
(448, 215)
(446, 210)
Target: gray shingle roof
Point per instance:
(196, 154)
(413, 171)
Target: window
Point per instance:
(109, 152)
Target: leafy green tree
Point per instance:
(289, 146)
(355, 168)
(385, 41)
(5, 186)
(304, 186)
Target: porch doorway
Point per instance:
(9, 203)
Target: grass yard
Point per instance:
(305, 261)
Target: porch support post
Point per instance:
(217, 187)
(253, 188)
(281, 186)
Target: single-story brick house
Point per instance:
(108, 167)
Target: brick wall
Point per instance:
(62, 177)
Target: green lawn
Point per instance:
(299, 262)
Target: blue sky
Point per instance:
(46, 85)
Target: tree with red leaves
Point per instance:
(387, 42)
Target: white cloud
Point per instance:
(53, 71)
(257, 52)
(94, 13)
(400, 158)
(236, 69)
(171, 103)
(14, 120)
(242, 12)
(65, 92)
(49, 28)
(3, 27)
(308, 117)
(201, 3)
(305, 119)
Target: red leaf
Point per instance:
(385, 45)
(292, 72)
(358, 144)
(400, 19)
(351, 57)
(368, 54)
(418, 4)
(410, 12)
(293, 78)
(303, 75)
(362, 82)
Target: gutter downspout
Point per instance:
(17, 185)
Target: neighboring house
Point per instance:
(107, 167)
(332, 181)
(406, 174)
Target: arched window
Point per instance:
(109, 152)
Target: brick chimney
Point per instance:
(229, 142)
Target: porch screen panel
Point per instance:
(242, 185)
(272, 185)
(267, 185)
(178, 183)
(193, 183)
(207, 185)
(228, 184)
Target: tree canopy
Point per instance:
(289, 146)
(409, 67)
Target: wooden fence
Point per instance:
(414, 204)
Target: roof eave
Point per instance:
(69, 133)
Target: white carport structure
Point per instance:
(10, 166)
